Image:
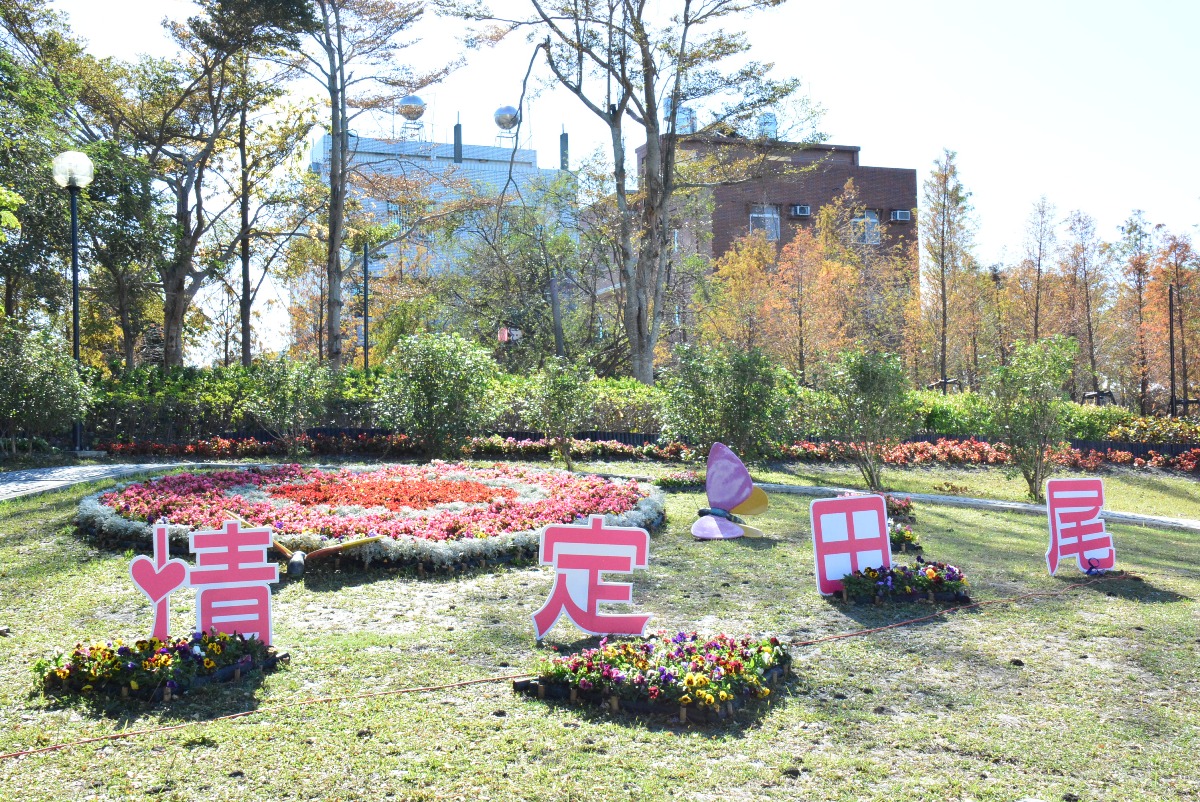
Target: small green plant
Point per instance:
(437, 390)
(871, 409)
(1030, 414)
(561, 402)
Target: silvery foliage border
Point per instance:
(99, 520)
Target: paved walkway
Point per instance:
(15, 484)
(1185, 524)
(40, 480)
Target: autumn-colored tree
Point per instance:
(868, 278)
(946, 232)
(800, 322)
(1177, 267)
(737, 299)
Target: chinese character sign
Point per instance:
(579, 555)
(232, 578)
(1076, 529)
(849, 534)
(158, 579)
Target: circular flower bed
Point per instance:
(441, 513)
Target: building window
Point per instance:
(765, 217)
(866, 228)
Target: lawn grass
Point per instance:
(1098, 707)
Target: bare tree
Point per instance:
(638, 63)
(1039, 249)
(353, 53)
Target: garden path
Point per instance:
(15, 484)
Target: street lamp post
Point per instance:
(73, 170)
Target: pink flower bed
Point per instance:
(268, 497)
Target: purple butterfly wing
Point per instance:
(728, 483)
(712, 527)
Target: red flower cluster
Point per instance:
(416, 494)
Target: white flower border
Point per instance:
(98, 519)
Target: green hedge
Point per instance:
(189, 404)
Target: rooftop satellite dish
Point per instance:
(411, 107)
(507, 118)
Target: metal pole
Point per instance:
(1171, 339)
(366, 309)
(74, 191)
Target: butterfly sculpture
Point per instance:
(731, 492)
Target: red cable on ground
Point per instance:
(858, 632)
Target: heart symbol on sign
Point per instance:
(157, 583)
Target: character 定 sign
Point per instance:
(579, 556)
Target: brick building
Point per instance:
(790, 183)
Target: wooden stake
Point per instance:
(614, 704)
(124, 691)
(237, 675)
(166, 695)
(682, 714)
(541, 691)
(574, 695)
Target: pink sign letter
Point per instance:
(849, 534)
(579, 555)
(1076, 529)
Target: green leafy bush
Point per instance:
(437, 390)
(560, 402)
(1157, 430)
(289, 397)
(871, 409)
(625, 405)
(721, 393)
(953, 415)
(1090, 422)
(41, 389)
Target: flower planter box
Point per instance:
(222, 676)
(947, 597)
(544, 688)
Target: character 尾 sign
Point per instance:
(1076, 529)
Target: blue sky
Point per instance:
(1092, 104)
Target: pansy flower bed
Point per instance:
(441, 513)
(147, 668)
(924, 580)
(709, 676)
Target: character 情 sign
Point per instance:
(232, 578)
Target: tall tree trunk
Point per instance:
(175, 305)
(244, 305)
